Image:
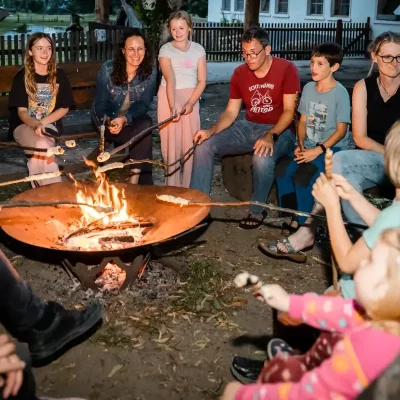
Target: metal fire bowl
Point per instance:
(42, 226)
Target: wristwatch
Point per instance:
(322, 147)
(275, 136)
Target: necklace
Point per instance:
(383, 87)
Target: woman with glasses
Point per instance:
(124, 91)
(376, 107)
(40, 97)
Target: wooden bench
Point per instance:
(82, 77)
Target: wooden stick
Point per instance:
(328, 173)
(30, 178)
(187, 203)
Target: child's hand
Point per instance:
(324, 191)
(230, 391)
(275, 296)
(308, 155)
(297, 151)
(188, 107)
(174, 111)
(344, 188)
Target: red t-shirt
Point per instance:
(263, 97)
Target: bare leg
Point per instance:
(305, 236)
(134, 179)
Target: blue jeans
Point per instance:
(295, 181)
(364, 170)
(240, 138)
(20, 309)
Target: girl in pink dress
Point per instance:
(184, 70)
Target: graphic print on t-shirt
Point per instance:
(261, 100)
(316, 121)
(45, 103)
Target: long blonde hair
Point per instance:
(375, 45)
(30, 82)
(385, 312)
(180, 14)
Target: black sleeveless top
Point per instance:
(381, 116)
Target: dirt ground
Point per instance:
(173, 334)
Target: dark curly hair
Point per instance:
(119, 76)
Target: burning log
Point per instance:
(245, 279)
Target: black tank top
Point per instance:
(381, 116)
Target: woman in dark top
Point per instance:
(40, 97)
(375, 108)
(124, 91)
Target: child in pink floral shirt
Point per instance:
(370, 326)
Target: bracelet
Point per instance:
(322, 147)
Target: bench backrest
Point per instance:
(82, 77)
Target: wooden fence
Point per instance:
(221, 42)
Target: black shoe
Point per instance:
(276, 346)
(65, 330)
(246, 370)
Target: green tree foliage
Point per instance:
(81, 6)
(35, 6)
(198, 7)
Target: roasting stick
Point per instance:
(328, 173)
(18, 146)
(55, 203)
(187, 203)
(30, 178)
(245, 279)
(102, 130)
(68, 143)
(117, 165)
(106, 155)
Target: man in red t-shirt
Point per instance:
(268, 87)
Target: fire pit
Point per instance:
(89, 242)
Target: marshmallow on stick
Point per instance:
(328, 163)
(54, 151)
(107, 167)
(172, 199)
(245, 279)
(30, 178)
(70, 143)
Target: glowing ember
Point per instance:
(111, 278)
(101, 231)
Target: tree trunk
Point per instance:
(252, 13)
(102, 11)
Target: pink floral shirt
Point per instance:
(356, 360)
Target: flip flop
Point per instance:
(271, 249)
(256, 219)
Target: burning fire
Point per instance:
(99, 230)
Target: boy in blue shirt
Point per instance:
(325, 115)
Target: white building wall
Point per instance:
(360, 10)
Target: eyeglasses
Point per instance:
(389, 59)
(131, 50)
(251, 55)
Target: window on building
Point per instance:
(315, 7)
(239, 5)
(341, 8)
(264, 6)
(226, 5)
(281, 6)
(386, 9)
